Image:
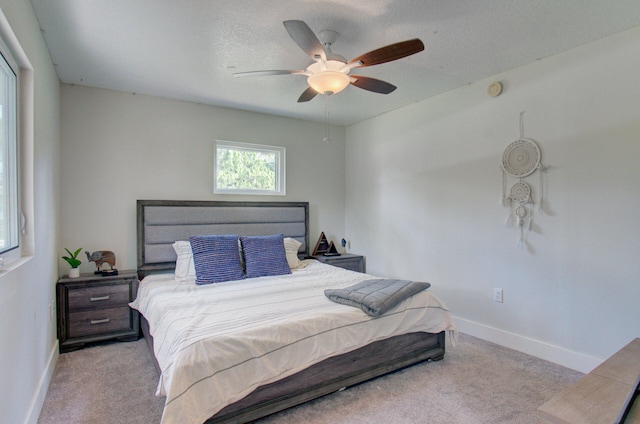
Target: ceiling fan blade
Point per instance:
(305, 39)
(372, 84)
(388, 53)
(266, 73)
(307, 95)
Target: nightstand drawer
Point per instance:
(346, 260)
(98, 297)
(92, 322)
(354, 264)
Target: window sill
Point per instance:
(14, 265)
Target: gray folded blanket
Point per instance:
(375, 297)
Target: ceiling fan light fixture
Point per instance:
(328, 82)
(329, 74)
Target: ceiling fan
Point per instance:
(329, 74)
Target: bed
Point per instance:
(258, 369)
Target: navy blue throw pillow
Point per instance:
(216, 258)
(264, 255)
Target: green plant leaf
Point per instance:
(72, 259)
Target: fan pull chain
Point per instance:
(521, 125)
(327, 116)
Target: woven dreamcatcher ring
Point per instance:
(520, 192)
(521, 158)
(521, 212)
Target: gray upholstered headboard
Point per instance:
(162, 222)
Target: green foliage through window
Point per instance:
(248, 168)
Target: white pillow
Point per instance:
(185, 268)
(291, 246)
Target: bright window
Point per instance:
(17, 238)
(243, 168)
(9, 214)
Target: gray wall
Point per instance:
(28, 331)
(119, 147)
(424, 182)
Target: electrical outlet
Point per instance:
(497, 295)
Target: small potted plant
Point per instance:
(73, 262)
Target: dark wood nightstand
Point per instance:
(345, 260)
(94, 308)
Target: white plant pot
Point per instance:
(74, 272)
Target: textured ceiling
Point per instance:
(189, 49)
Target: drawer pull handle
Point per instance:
(100, 321)
(96, 299)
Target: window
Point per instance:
(9, 218)
(243, 168)
(17, 238)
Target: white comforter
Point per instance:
(215, 344)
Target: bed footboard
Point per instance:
(332, 374)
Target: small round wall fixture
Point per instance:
(495, 89)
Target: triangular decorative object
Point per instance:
(332, 251)
(322, 246)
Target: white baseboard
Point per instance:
(537, 348)
(43, 386)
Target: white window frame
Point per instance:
(17, 58)
(9, 211)
(280, 171)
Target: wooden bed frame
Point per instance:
(161, 222)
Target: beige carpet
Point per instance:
(476, 382)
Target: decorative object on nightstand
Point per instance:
(73, 262)
(94, 308)
(101, 257)
(346, 260)
(332, 251)
(322, 246)
(325, 247)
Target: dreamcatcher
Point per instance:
(521, 159)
